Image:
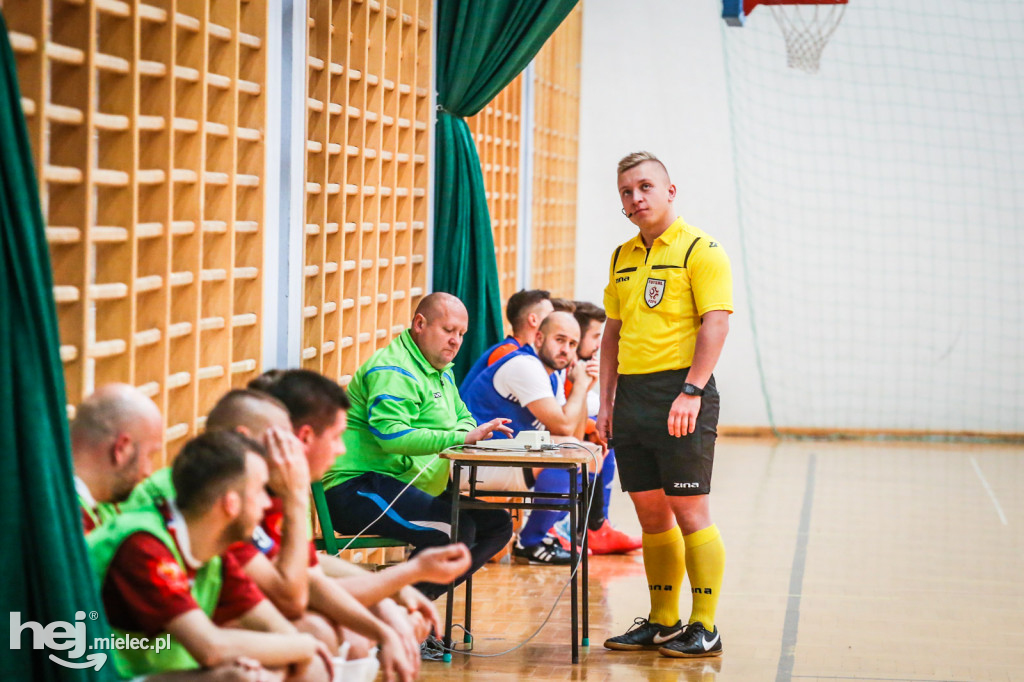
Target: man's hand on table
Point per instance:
(487, 429)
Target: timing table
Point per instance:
(571, 458)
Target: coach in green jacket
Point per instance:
(405, 410)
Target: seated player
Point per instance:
(115, 433)
(312, 400)
(163, 570)
(279, 557)
(525, 310)
(306, 396)
(603, 538)
(405, 410)
(526, 385)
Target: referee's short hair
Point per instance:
(520, 303)
(636, 158)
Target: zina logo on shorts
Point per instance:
(60, 636)
(686, 485)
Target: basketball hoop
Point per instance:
(806, 25)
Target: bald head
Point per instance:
(440, 322)
(249, 411)
(112, 409)
(116, 432)
(562, 321)
(437, 304)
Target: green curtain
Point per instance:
(481, 46)
(44, 570)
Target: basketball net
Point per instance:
(806, 29)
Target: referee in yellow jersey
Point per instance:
(668, 299)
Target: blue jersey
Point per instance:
(485, 361)
(486, 403)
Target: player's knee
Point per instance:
(500, 524)
(358, 646)
(318, 626)
(467, 530)
(692, 512)
(653, 511)
(507, 529)
(315, 671)
(225, 672)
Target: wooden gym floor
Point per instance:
(846, 561)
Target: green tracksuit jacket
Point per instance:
(403, 411)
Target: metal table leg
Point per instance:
(448, 609)
(466, 637)
(574, 501)
(584, 501)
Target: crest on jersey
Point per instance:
(168, 576)
(654, 292)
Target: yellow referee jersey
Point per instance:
(660, 295)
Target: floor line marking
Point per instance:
(796, 579)
(988, 489)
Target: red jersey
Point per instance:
(146, 587)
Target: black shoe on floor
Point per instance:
(695, 642)
(547, 552)
(643, 634)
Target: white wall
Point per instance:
(653, 79)
(880, 198)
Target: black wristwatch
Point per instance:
(690, 389)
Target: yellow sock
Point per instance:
(665, 563)
(705, 561)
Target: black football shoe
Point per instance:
(695, 642)
(643, 634)
(547, 552)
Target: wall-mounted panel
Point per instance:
(556, 125)
(497, 130)
(146, 121)
(368, 75)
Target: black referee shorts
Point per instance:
(648, 457)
